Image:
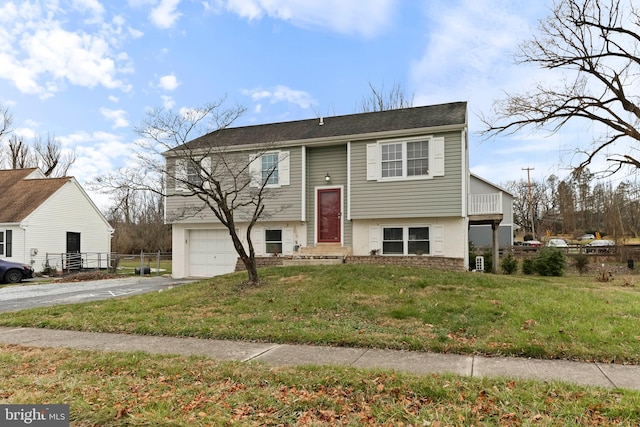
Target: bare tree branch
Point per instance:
(594, 43)
(380, 100)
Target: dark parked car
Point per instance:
(14, 272)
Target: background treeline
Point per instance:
(578, 204)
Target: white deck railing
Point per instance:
(485, 204)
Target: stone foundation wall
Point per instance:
(438, 263)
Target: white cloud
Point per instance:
(165, 14)
(168, 102)
(282, 94)
(92, 7)
(168, 82)
(39, 56)
(118, 117)
(135, 33)
(363, 17)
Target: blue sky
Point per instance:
(86, 71)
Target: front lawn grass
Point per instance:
(574, 318)
(135, 389)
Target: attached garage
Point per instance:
(211, 253)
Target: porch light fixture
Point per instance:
(327, 178)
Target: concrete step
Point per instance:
(325, 249)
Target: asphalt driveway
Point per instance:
(33, 294)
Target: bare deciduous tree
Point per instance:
(594, 43)
(50, 157)
(212, 176)
(380, 100)
(18, 153)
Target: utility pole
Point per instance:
(533, 229)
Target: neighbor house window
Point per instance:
(405, 241)
(270, 169)
(6, 243)
(273, 241)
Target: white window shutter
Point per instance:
(374, 239)
(205, 172)
(437, 157)
(257, 234)
(283, 167)
(180, 175)
(255, 170)
(436, 236)
(373, 166)
(287, 241)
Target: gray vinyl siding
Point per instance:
(437, 197)
(320, 161)
(281, 204)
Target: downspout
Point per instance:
(24, 244)
(465, 196)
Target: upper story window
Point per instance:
(190, 173)
(402, 159)
(270, 169)
(193, 174)
(413, 158)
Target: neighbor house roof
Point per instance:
(432, 116)
(21, 196)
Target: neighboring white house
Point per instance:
(42, 217)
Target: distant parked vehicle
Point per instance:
(14, 272)
(557, 243)
(534, 243)
(587, 237)
(599, 246)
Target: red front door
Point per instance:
(329, 215)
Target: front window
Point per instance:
(270, 169)
(418, 240)
(273, 240)
(405, 159)
(405, 241)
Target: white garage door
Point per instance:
(211, 253)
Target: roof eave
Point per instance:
(333, 140)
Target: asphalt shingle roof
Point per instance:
(19, 196)
(337, 126)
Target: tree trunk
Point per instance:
(252, 270)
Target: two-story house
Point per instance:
(392, 183)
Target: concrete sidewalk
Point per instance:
(583, 373)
